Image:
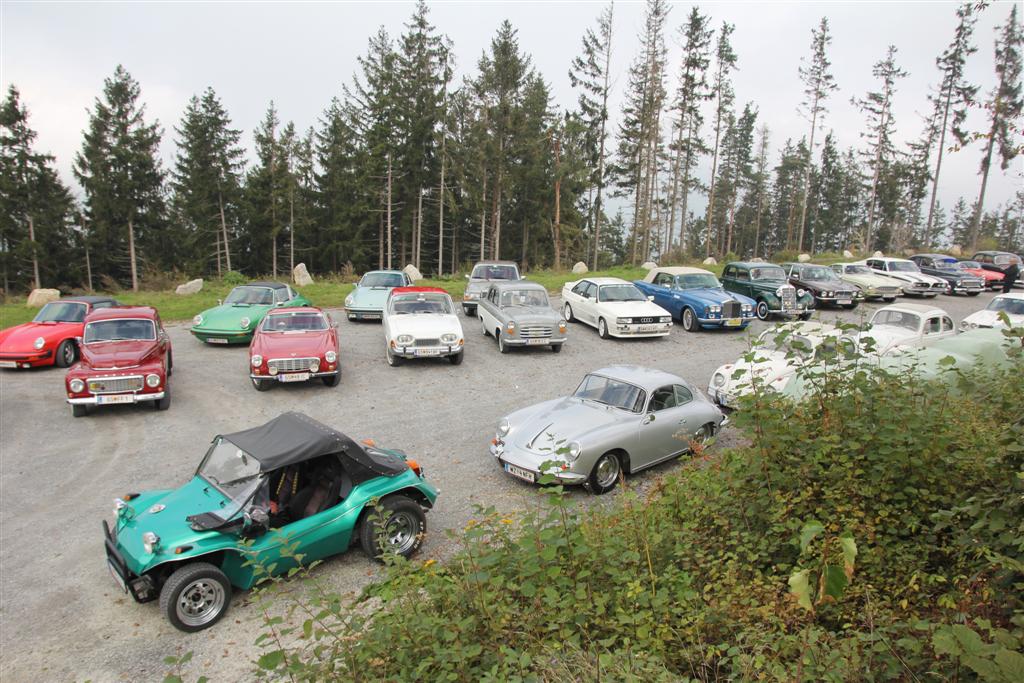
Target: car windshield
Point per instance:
(698, 281)
(233, 471)
(524, 297)
(904, 267)
(1005, 259)
(260, 296)
(1010, 305)
(858, 270)
(382, 280)
(611, 392)
(119, 330)
(620, 293)
(424, 302)
(795, 344)
(297, 321)
(964, 265)
(945, 265)
(904, 319)
(771, 274)
(495, 272)
(818, 273)
(61, 311)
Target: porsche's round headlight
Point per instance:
(257, 360)
(349, 300)
(198, 320)
(503, 427)
(150, 541)
(330, 356)
(244, 322)
(76, 385)
(449, 338)
(39, 343)
(404, 339)
(718, 380)
(974, 326)
(152, 381)
(574, 450)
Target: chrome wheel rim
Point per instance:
(69, 353)
(702, 436)
(762, 310)
(602, 327)
(607, 471)
(402, 530)
(200, 602)
(568, 312)
(687, 319)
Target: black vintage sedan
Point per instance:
(822, 282)
(943, 266)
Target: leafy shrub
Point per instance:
(233, 278)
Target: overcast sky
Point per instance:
(300, 54)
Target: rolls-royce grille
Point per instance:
(535, 331)
(731, 309)
(291, 364)
(788, 297)
(115, 385)
(428, 342)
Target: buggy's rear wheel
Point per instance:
(397, 525)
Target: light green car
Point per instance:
(873, 285)
(367, 300)
(236, 318)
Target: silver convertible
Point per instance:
(517, 313)
(620, 419)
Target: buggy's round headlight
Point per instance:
(330, 356)
(504, 426)
(257, 360)
(39, 343)
(76, 385)
(152, 381)
(349, 300)
(718, 380)
(150, 541)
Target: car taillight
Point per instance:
(415, 467)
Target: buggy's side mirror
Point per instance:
(256, 521)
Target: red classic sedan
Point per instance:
(126, 358)
(992, 279)
(50, 339)
(294, 345)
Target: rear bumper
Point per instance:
(364, 313)
(136, 398)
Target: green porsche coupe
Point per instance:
(238, 316)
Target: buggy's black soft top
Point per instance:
(292, 438)
(266, 283)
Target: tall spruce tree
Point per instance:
(722, 92)
(119, 170)
(341, 206)
(735, 170)
(266, 191)
(1005, 107)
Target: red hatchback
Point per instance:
(50, 338)
(294, 345)
(126, 358)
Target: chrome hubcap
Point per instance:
(69, 353)
(402, 529)
(687, 318)
(603, 328)
(568, 312)
(701, 436)
(607, 471)
(200, 602)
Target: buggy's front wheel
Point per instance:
(195, 596)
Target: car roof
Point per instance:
(752, 264)
(387, 271)
(681, 270)
(89, 299)
(995, 253)
(417, 290)
(1010, 295)
(115, 312)
(605, 280)
(886, 258)
(643, 377)
(265, 283)
(517, 284)
(495, 263)
(920, 309)
(944, 257)
(295, 309)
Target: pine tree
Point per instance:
(818, 84)
(1005, 107)
(591, 73)
(341, 207)
(266, 190)
(120, 173)
(721, 88)
(734, 172)
(954, 96)
(759, 185)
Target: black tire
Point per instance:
(260, 384)
(602, 328)
(502, 346)
(850, 307)
(79, 410)
(456, 358)
(762, 310)
(806, 316)
(973, 293)
(556, 348)
(483, 327)
(184, 596)
(66, 354)
(165, 402)
(704, 434)
(888, 299)
(393, 360)
(170, 363)
(332, 380)
(605, 475)
(567, 312)
(404, 540)
(689, 320)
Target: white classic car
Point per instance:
(901, 326)
(615, 307)
(778, 353)
(1011, 304)
(905, 270)
(420, 322)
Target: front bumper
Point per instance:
(638, 330)
(882, 292)
(32, 359)
(141, 588)
(364, 313)
(533, 341)
(98, 399)
(426, 351)
(278, 376)
(738, 323)
(967, 287)
(530, 464)
(722, 397)
(221, 336)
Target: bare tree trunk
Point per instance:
(389, 211)
(483, 217)
(878, 171)
(273, 255)
(496, 225)
(291, 230)
(807, 174)
(224, 230)
(380, 243)
(216, 249)
(976, 220)
(440, 217)
(419, 231)
(35, 258)
(556, 226)
(714, 172)
(938, 169)
(131, 255)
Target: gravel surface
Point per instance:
(62, 617)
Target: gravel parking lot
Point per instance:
(61, 615)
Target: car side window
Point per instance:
(280, 295)
(933, 325)
(662, 399)
(590, 291)
(579, 288)
(837, 268)
(742, 275)
(947, 324)
(683, 395)
(663, 280)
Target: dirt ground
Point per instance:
(61, 615)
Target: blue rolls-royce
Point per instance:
(696, 298)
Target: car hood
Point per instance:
(887, 336)
(633, 308)
(424, 325)
(863, 280)
(987, 318)
(22, 337)
(907, 276)
(770, 367)
(229, 316)
(370, 297)
(532, 314)
(769, 285)
(714, 295)
(568, 419)
(984, 274)
(830, 285)
(289, 344)
(116, 354)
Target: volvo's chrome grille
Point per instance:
(114, 385)
(428, 342)
(291, 364)
(535, 331)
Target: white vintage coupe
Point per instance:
(615, 307)
(901, 326)
(1011, 304)
(420, 322)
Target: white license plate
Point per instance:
(844, 302)
(525, 475)
(115, 398)
(428, 352)
(536, 342)
(293, 377)
(216, 340)
(8, 364)
(117, 577)
(733, 322)
(647, 328)
(371, 316)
